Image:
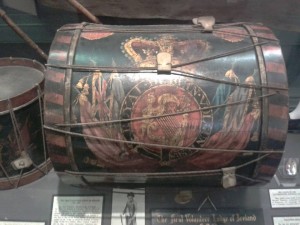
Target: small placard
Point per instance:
(285, 198)
(128, 207)
(20, 223)
(77, 210)
(219, 217)
(289, 220)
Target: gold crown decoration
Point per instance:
(165, 43)
(143, 51)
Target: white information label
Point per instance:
(20, 223)
(285, 198)
(77, 210)
(290, 220)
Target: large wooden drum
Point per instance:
(169, 103)
(23, 156)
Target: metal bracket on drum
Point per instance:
(229, 177)
(164, 62)
(207, 22)
(23, 162)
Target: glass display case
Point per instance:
(53, 198)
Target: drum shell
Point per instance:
(99, 74)
(21, 129)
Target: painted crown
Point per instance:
(142, 51)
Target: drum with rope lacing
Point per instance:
(23, 155)
(166, 103)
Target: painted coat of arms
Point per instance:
(143, 121)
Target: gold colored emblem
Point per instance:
(143, 52)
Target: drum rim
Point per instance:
(28, 96)
(27, 177)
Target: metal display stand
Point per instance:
(33, 202)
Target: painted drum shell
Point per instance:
(23, 157)
(112, 116)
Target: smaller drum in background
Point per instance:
(23, 157)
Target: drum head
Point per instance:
(19, 80)
(23, 157)
(16, 80)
